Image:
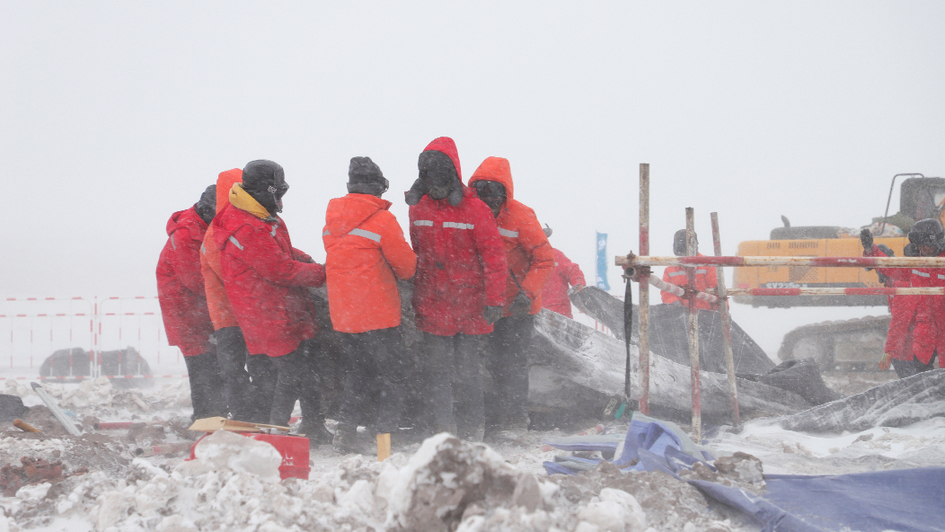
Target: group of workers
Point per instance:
(235, 298)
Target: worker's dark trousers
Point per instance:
(237, 388)
(262, 372)
(296, 381)
(507, 362)
(452, 373)
(908, 368)
(206, 386)
(375, 379)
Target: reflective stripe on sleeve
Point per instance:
(422, 223)
(920, 274)
(676, 274)
(173, 245)
(326, 233)
(236, 243)
(508, 233)
(366, 234)
(203, 250)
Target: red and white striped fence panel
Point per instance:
(32, 328)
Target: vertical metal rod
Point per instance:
(691, 250)
(726, 320)
(644, 306)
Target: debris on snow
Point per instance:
(448, 484)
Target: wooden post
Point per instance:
(726, 321)
(383, 446)
(644, 321)
(693, 333)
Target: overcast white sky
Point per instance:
(116, 114)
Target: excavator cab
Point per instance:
(920, 197)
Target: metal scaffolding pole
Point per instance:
(644, 327)
(726, 321)
(696, 386)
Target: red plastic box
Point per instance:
(293, 449)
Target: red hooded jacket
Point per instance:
(530, 256)
(221, 313)
(180, 285)
(461, 264)
(566, 274)
(367, 253)
(265, 277)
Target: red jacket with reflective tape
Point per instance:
(461, 265)
(221, 313)
(530, 256)
(265, 277)
(704, 279)
(180, 285)
(566, 274)
(367, 253)
(929, 332)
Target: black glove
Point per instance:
(866, 238)
(491, 314)
(521, 305)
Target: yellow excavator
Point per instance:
(850, 344)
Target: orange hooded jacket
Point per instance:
(366, 254)
(530, 256)
(221, 314)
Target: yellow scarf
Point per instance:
(244, 202)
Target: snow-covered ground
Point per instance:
(441, 484)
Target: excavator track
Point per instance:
(848, 345)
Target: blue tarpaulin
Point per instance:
(903, 500)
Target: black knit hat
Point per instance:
(365, 177)
(265, 182)
(207, 205)
(259, 175)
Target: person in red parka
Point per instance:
(184, 304)
(566, 279)
(366, 255)
(926, 312)
(531, 262)
(266, 280)
(459, 288)
(248, 393)
(902, 309)
(705, 277)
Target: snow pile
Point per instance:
(101, 396)
(449, 481)
(447, 484)
(228, 451)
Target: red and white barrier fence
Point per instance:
(844, 262)
(33, 328)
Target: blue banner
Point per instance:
(602, 262)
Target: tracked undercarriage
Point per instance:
(856, 344)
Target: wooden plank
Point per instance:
(211, 424)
